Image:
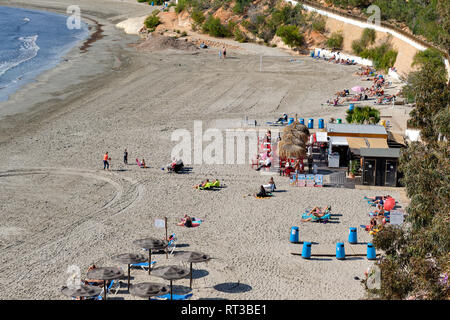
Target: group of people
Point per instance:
(107, 160)
(378, 216)
(338, 60)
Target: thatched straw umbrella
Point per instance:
(293, 143)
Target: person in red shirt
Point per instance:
(105, 161)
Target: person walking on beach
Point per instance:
(125, 157)
(105, 161)
(220, 54)
(224, 52)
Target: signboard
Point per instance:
(160, 223)
(396, 217)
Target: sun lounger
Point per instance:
(143, 265)
(174, 297)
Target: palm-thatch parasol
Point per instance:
(192, 257)
(293, 143)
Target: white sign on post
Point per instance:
(396, 217)
(159, 223)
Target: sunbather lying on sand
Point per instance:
(188, 222)
(201, 185)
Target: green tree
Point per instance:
(364, 114)
(336, 41)
(290, 35)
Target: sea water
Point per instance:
(32, 42)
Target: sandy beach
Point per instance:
(59, 208)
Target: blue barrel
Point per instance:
(340, 251)
(321, 124)
(294, 235)
(153, 3)
(306, 251)
(371, 254)
(310, 123)
(352, 238)
(301, 120)
(352, 106)
(291, 120)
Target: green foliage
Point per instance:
(240, 6)
(290, 35)
(427, 18)
(198, 17)
(431, 57)
(181, 6)
(416, 259)
(239, 35)
(383, 56)
(152, 22)
(432, 95)
(318, 23)
(215, 28)
(368, 37)
(335, 41)
(363, 115)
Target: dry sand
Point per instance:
(58, 207)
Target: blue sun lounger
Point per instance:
(174, 297)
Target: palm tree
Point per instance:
(363, 115)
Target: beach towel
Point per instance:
(310, 180)
(301, 180)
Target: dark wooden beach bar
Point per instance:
(380, 166)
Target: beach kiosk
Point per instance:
(379, 166)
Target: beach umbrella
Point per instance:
(192, 257)
(105, 273)
(151, 244)
(171, 273)
(358, 89)
(291, 151)
(148, 289)
(81, 291)
(389, 204)
(129, 258)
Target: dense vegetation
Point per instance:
(383, 55)
(152, 21)
(363, 115)
(416, 262)
(429, 18)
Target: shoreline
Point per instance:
(18, 111)
(60, 207)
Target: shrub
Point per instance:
(368, 36)
(357, 47)
(383, 56)
(336, 40)
(181, 6)
(198, 16)
(364, 114)
(319, 23)
(239, 35)
(215, 28)
(152, 22)
(290, 35)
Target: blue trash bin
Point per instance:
(153, 3)
(310, 123)
(306, 251)
(352, 237)
(340, 251)
(294, 235)
(351, 107)
(371, 254)
(301, 120)
(321, 124)
(291, 120)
